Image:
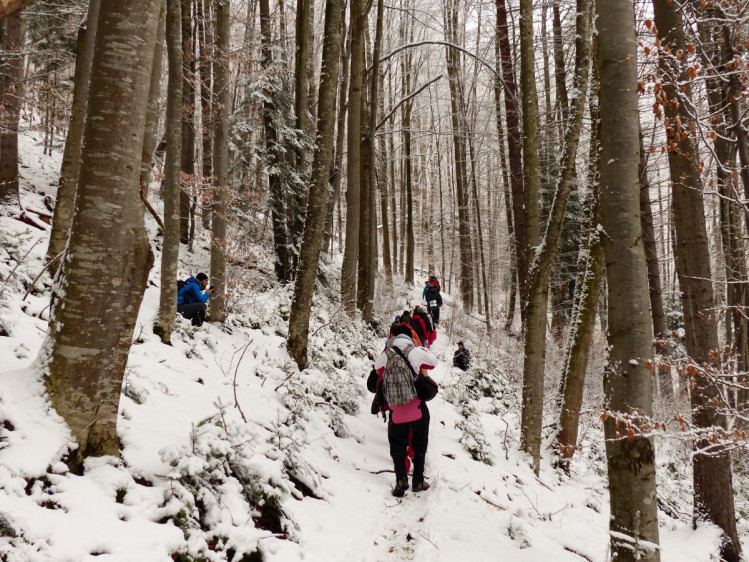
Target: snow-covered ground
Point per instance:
(227, 450)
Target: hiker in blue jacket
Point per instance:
(191, 299)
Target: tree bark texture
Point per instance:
(85, 359)
(71, 157)
(375, 79)
(309, 254)
(529, 102)
(713, 488)
(152, 118)
(188, 120)
(353, 171)
(627, 380)
(11, 70)
(514, 150)
(365, 256)
(337, 164)
(170, 250)
(207, 103)
(220, 209)
(654, 279)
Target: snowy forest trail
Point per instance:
(180, 420)
(472, 510)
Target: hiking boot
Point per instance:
(401, 485)
(420, 486)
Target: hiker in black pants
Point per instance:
(412, 417)
(431, 294)
(191, 299)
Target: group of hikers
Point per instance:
(402, 386)
(399, 379)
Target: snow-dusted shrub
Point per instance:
(226, 489)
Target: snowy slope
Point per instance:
(229, 453)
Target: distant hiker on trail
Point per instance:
(431, 294)
(405, 321)
(397, 367)
(422, 324)
(462, 357)
(394, 325)
(191, 298)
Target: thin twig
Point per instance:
(18, 264)
(478, 493)
(580, 554)
(50, 262)
(236, 370)
(92, 422)
(321, 327)
(426, 539)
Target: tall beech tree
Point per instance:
(11, 70)
(713, 488)
(82, 359)
(170, 248)
(220, 205)
(587, 291)
(353, 171)
(309, 255)
(71, 157)
(459, 126)
(272, 150)
(514, 150)
(539, 273)
(187, 158)
(627, 382)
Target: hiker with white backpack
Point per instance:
(402, 368)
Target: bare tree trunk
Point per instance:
(375, 79)
(480, 239)
(219, 216)
(170, 251)
(10, 105)
(587, 293)
(506, 182)
(152, 118)
(302, 52)
(654, 279)
(365, 256)
(71, 158)
(275, 189)
(711, 463)
(207, 103)
(628, 384)
(353, 193)
(188, 121)
(92, 319)
(309, 254)
(540, 269)
(560, 77)
(459, 145)
(337, 164)
(514, 147)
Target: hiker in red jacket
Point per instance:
(422, 324)
(412, 417)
